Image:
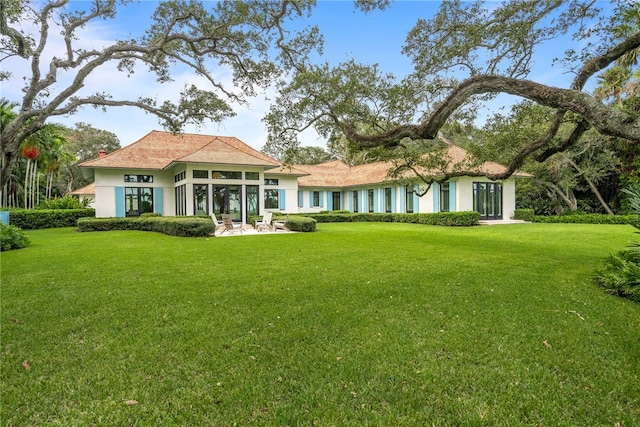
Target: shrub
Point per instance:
(172, 226)
(301, 223)
(48, 218)
(66, 202)
(467, 218)
(12, 237)
(588, 219)
(621, 274)
(149, 214)
(524, 214)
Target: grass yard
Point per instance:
(356, 324)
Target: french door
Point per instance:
(487, 199)
(228, 199)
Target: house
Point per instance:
(189, 174)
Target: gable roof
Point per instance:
(339, 174)
(159, 150)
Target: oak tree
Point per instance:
(247, 39)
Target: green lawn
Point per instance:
(355, 324)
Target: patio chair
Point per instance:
(219, 224)
(265, 222)
(281, 224)
(230, 226)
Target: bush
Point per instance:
(588, 219)
(48, 218)
(621, 274)
(301, 223)
(172, 226)
(66, 202)
(468, 218)
(11, 237)
(524, 214)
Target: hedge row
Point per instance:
(172, 226)
(589, 219)
(31, 219)
(524, 214)
(444, 218)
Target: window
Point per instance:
(316, 199)
(138, 178)
(201, 174)
(387, 200)
(200, 199)
(355, 201)
(252, 176)
(226, 175)
(271, 199)
(252, 200)
(337, 203)
(371, 200)
(138, 200)
(180, 177)
(270, 181)
(409, 199)
(181, 199)
(444, 197)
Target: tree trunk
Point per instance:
(593, 188)
(568, 197)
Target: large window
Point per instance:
(252, 200)
(355, 201)
(337, 203)
(371, 200)
(200, 199)
(387, 200)
(271, 199)
(252, 176)
(138, 200)
(444, 197)
(181, 199)
(316, 199)
(409, 199)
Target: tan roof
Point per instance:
(339, 174)
(158, 150)
(88, 190)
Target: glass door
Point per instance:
(487, 199)
(227, 199)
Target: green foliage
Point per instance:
(48, 218)
(621, 274)
(66, 202)
(582, 218)
(172, 226)
(301, 223)
(152, 214)
(467, 218)
(524, 214)
(12, 237)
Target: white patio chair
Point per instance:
(265, 222)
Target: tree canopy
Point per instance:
(466, 54)
(248, 39)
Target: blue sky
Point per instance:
(369, 38)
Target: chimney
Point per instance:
(102, 154)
